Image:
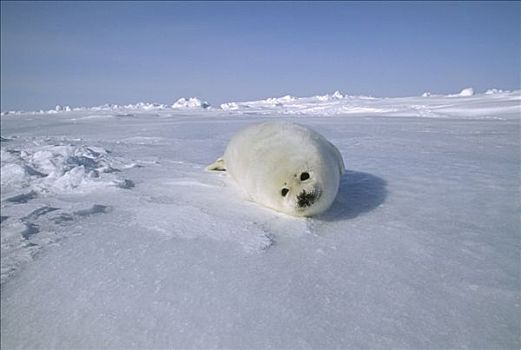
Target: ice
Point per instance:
(114, 236)
(13, 174)
(280, 100)
(192, 102)
(436, 106)
(494, 91)
(59, 108)
(58, 168)
(337, 95)
(467, 92)
(229, 106)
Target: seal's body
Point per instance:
(284, 166)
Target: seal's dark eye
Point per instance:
(304, 176)
(284, 192)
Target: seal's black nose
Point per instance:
(305, 199)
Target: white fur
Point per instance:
(267, 157)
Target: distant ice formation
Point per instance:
(337, 103)
(192, 102)
(337, 95)
(467, 92)
(494, 91)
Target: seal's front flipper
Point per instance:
(218, 165)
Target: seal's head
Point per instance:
(305, 190)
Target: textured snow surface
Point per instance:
(114, 236)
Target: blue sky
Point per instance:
(90, 53)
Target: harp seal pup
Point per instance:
(284, 166)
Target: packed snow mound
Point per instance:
(230, 106)
(192, 102)
(58, 168)
(337, 95)
(467, 92)
(495, 91)
(280, 100)
(60, 108)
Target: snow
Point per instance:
(337, 95)
(464, 93)
(114, 236)
(192, 102)
(50, 168)
(59, 108)
(494, 91)
(427, 105)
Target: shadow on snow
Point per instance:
(359, 193)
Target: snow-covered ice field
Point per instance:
(114, 236)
